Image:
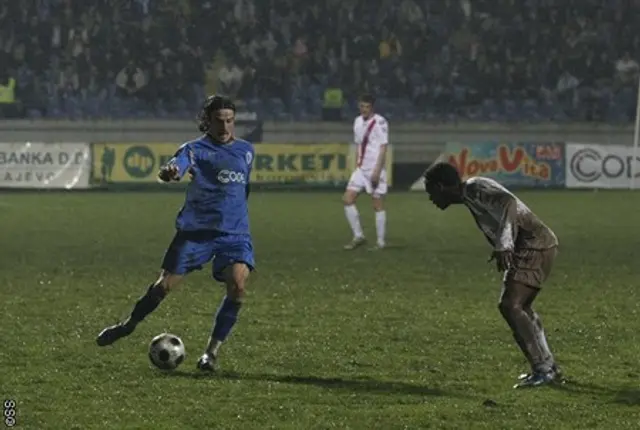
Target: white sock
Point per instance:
(381, 223)
(542, 338)
(213, 347)
(351, 211)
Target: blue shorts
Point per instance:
(190, 251)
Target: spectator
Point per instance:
(230, 79)
(130, 80)
(450, 56)
(627, 69)
(8, 102)
(567, 88)
(270, 44)
(300, 51)
(69, 80)
(410, 12)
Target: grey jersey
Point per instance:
(505, 220)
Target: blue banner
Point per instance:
(515, 164)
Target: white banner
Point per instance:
(45, 165)
(418, 185)
(600, 166)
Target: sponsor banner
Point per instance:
(418, 184)
(513, 164)
(301, 163)
(601, 166)
(274, 163)
(130, 163)
(45, 165)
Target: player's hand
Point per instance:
(375, 180)
(504, 260)
(169, 173)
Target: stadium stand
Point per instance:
(486, 60)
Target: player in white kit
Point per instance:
(371, 136)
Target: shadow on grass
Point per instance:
(389, 247)
(395, 247)
(620, 395)
(356, 385)
(628, 396)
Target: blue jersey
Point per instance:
(216, 198)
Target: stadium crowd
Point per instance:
(473, 59)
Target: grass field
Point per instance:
(409, 338)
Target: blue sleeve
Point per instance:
(253, 159)
(249, 169)
(183, 159)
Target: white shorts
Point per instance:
(361, 180)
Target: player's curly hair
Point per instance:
(210, 105)
(442, 173)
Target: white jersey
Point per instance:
(369, 136)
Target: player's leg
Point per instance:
(182, 256)
(542, 340)
(354, 188)
(520, 341)
(380, 213)
(146, 304)
(542, 264)
(507, 301)
(232, 266)
(512, 307)
(226, 316)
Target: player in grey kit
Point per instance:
(524, 249)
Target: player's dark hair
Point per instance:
(367, 98)
(444, 174)
(212, 104)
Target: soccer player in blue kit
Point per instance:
(213, 224)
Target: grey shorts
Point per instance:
(531, 267)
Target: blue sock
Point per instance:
(226, 317)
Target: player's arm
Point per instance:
(248, 186)
(507, 232)
(497, 200)
(178, 165)
(383, 137)
(382, 158)
(355, 127)
(508, 229)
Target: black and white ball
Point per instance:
(166, 351)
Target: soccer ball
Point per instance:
(166, 351)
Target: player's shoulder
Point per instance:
(482, 181)
(481, 184)
(380, 120)
(477, 184)
(357, 121)
(245, 144)
(193, 142)
(382, 123)
(475, 180)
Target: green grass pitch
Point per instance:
(409, 338)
